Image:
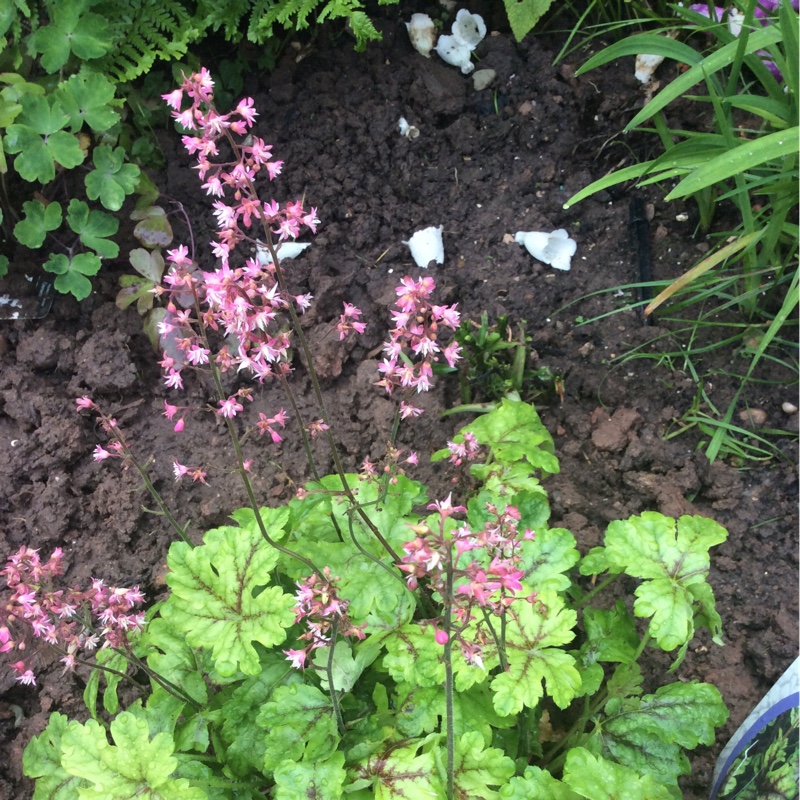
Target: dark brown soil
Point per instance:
(486, 164)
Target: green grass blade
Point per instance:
(742, 158)
(758, 40)
(643, 43)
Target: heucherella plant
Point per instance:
(362, 640)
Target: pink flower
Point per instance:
(407, 410)
(297, 658)
(100, 453)
(84, 402)
(229, 408)
(179, 470)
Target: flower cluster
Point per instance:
(318, 603)
(413, 347)
(71, 620)
(489, 581)
(245, 304)
(463, 451)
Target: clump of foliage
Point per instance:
(360, 640)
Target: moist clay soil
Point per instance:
(486, 164)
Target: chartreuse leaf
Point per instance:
(93, 227)
(548, 557)
(400, 772)
(40, 141)
(111, 179)
(671, 558)
(300, 725)
(165, 649)
(524, 14)
(39, 219)
(72, 29)
(537, 783)
(515, 434)
(42, 760)
(413, 656)
(88, 97)
(596, 778)
(322, 780)
(134, 766)
(72, 273)
(534, 636)
(647, 733)
(477, 768)
(246, 740)
(420, 711)
(221, 598)
(611, 635)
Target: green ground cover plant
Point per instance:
(744, 292)
(362, 640)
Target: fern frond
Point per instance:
(144, 31)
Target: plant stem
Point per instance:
(448, 680)
(337, 711)
(598, 588)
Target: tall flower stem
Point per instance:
(448, 679)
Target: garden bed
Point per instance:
(486, 164)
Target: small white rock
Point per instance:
(789, 408)
(555, 249)
(426, 246)
(422, 32)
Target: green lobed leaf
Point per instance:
(596, 778)
(245, 738)
(422, 710)
(548, 558)
(413, 656)
(93, 227)
(400, 772)
(72, 29)
(39, 219)
(611, 635)
(134, 766)
(322, 780)
(42, 760)
(72, 273)
(221, 598)
(477, 768)
(300, 726)
(524, 14)
(671, 557)
(646, 733)
(515, 433)
(534, 636)
(112, 179)
(88, 97)
(537, 784)
(113, 660)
